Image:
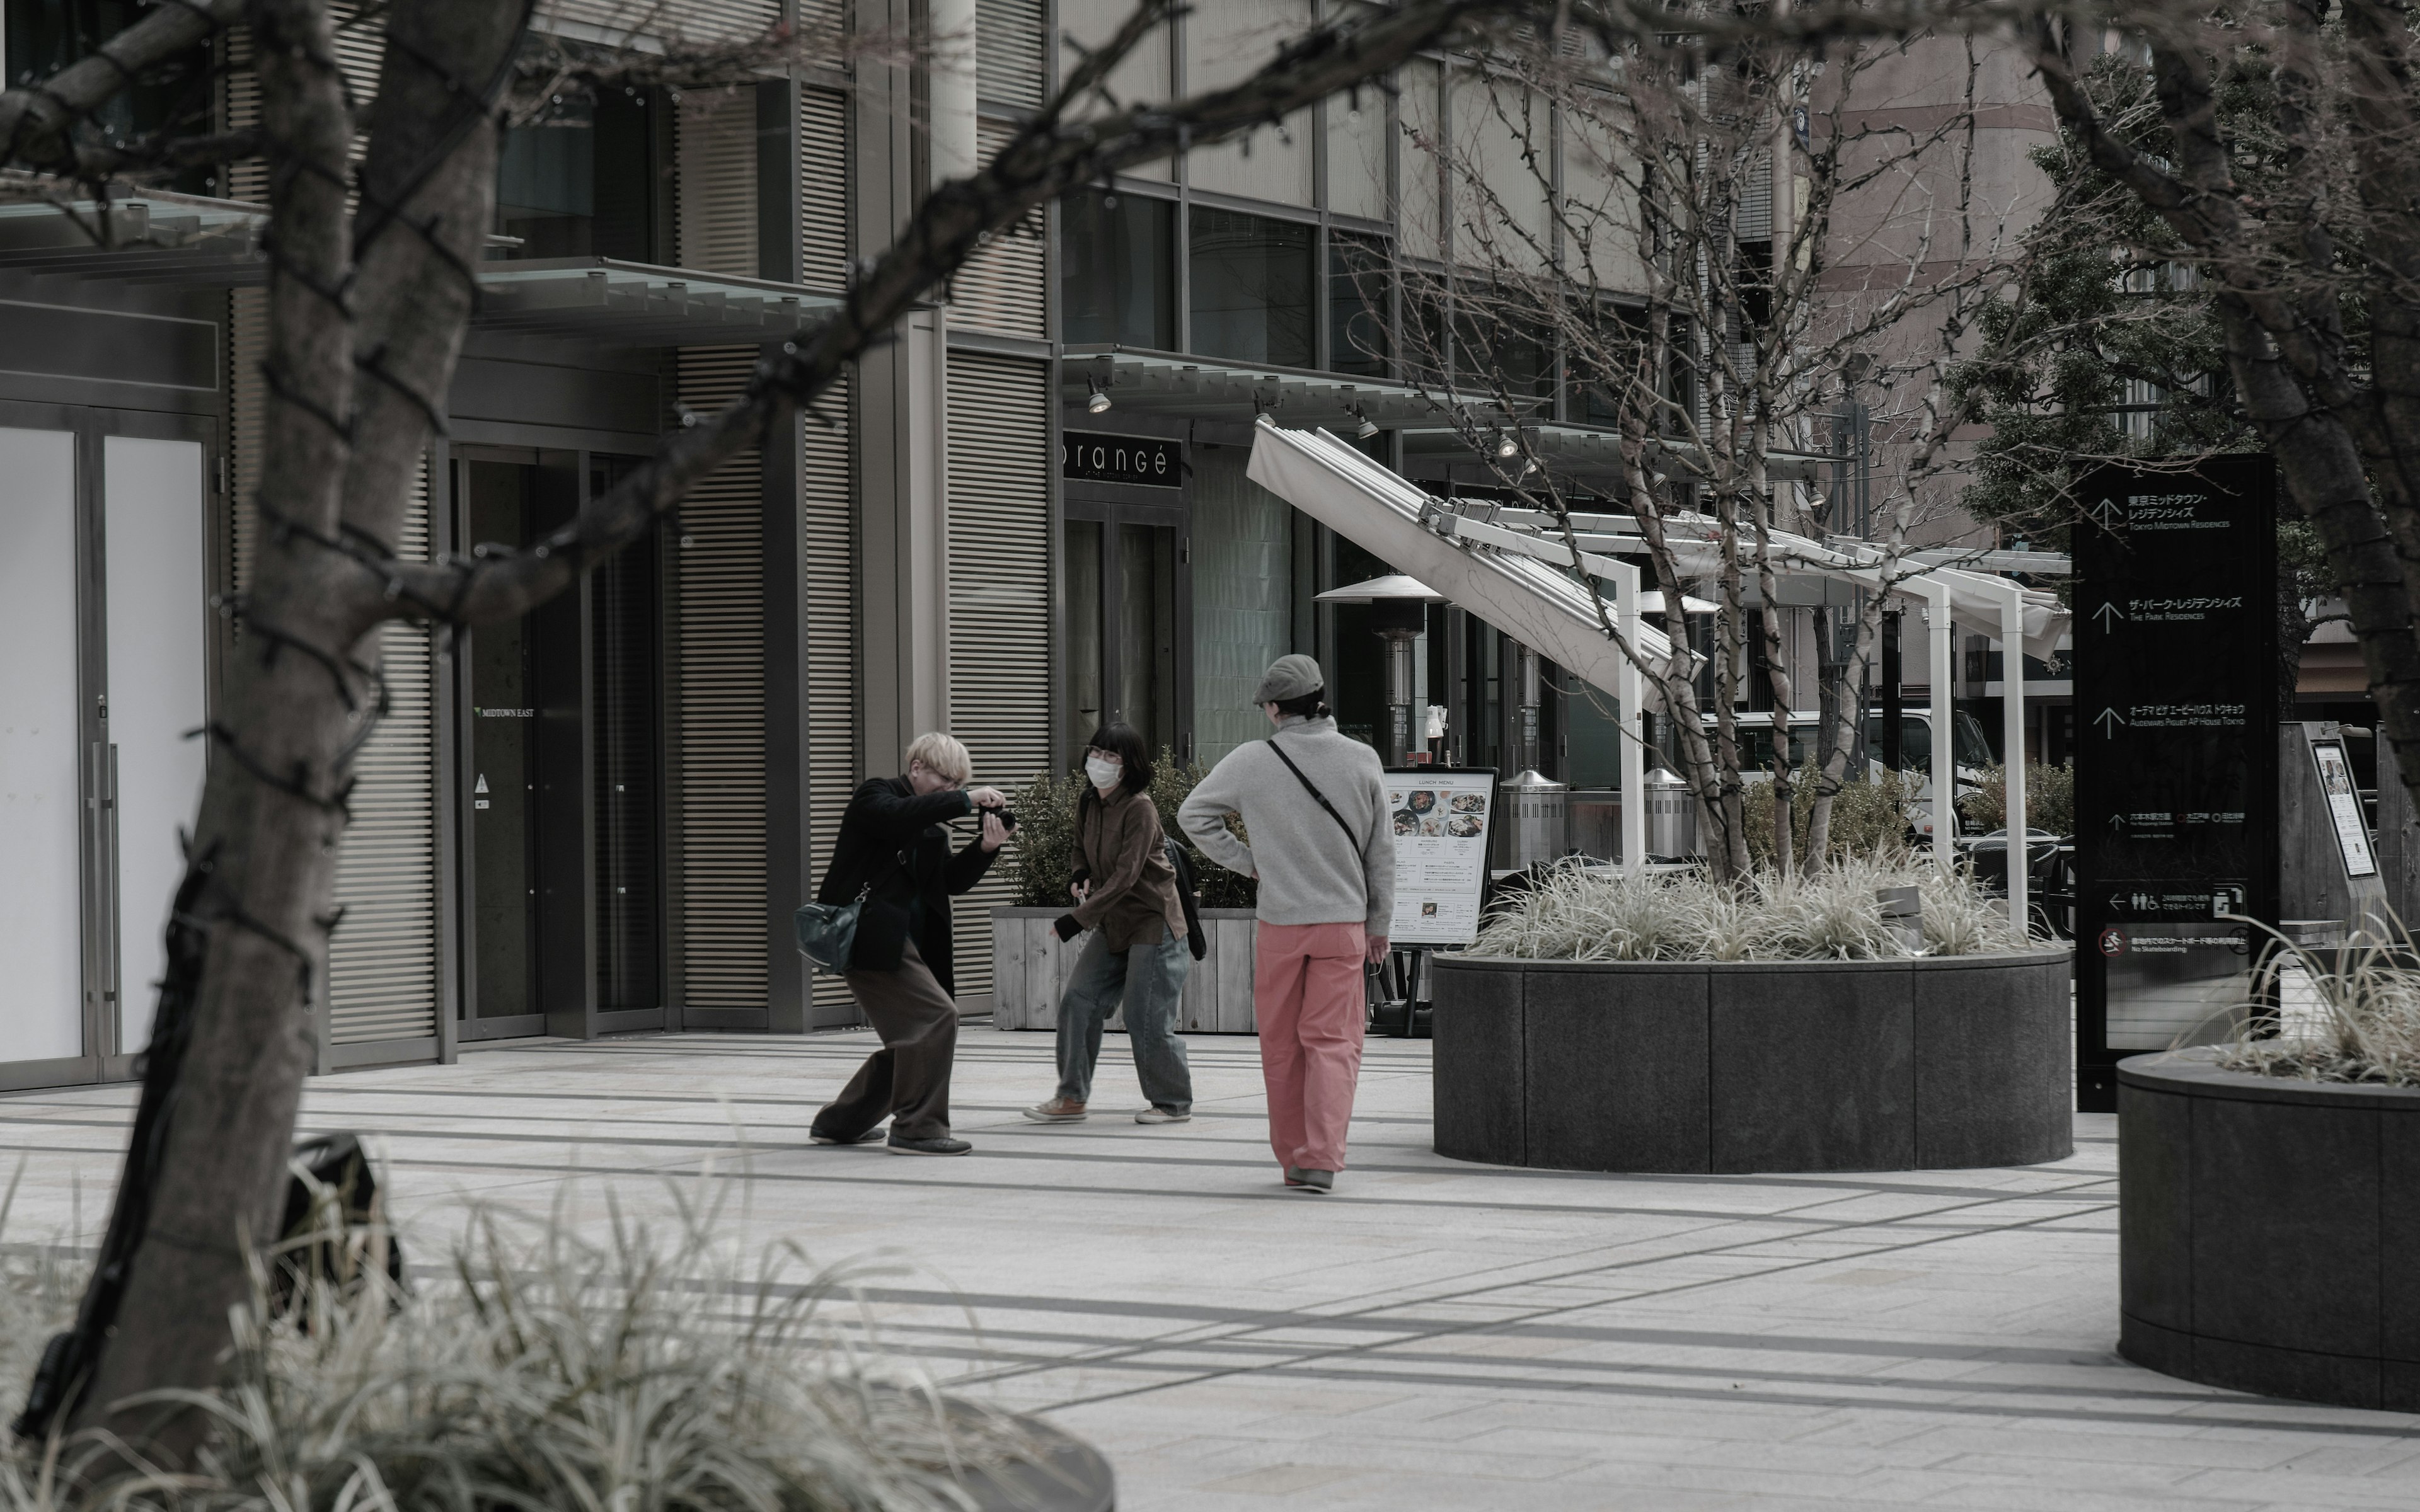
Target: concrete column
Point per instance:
(899, 434)
(903, 556)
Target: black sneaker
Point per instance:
(816, 1137)
(1316, 1182)
(943, 1145)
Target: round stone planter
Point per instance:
(1064, 1474)
(2268, 1231)
(1768, 1066)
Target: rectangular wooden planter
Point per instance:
(1030, 969)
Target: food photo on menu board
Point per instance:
(1441, 820)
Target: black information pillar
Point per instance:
(2176, 763)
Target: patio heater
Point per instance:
(1399, 615)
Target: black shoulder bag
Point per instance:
(1188, 894)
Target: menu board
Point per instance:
(1443, 818)
(2344, 808)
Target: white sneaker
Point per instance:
(1162, 1116)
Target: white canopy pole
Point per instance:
(2012, 756)
(1632, 699)
(1943, 759)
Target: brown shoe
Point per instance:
(1057, 1110)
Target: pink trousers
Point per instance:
(1307, 997)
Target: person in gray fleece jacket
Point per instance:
(1320, 840)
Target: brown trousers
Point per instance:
(908, 1078)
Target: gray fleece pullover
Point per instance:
(1309, 873)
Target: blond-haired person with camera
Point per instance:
(892, 851)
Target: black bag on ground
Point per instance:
(335, 1224)
(1188, 893)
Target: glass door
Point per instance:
(158, 639)
(41, 810)
(562, 779)
(526, 893)
(1128, 614)
(626, 725)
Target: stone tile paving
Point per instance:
(1434, 1335)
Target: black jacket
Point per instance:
(886, 824)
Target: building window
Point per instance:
(1252, 289)
(582, 180)
(1117, 270)
(1359, 275)
(1500, 340)
(41, 36)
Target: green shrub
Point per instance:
(656, 1370)
(1870, 819)
(2352, 1011)
(1046, 837)
(1829, 914)
(2050, 799)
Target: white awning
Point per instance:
(1538, 605)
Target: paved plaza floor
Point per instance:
(1434, 1335)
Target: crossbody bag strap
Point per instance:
(1313, 788)
(898, 862)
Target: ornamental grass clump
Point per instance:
(658, 1369)
(1831, 914)
(2352, 1014)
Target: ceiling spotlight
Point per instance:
(1508, 448)
(1100, 402)
(1367, 427)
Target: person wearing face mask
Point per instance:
(892, 852)
(1124, 890)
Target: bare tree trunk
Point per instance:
(303, 693)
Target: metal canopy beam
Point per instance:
(216, 244)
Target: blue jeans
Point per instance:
(1150, 979)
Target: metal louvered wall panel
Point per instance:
(361, 50)
(247, 397)
(1000, 601)
(719, 712)
(714, 136)
(827, 514)
(239, 90)
(690, 20)
(1008, 50)
(1001, 289)
(382, 959)
(823, 189)
(827, 521)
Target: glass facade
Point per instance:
(1117, 270)
(41, 36)
(1085, 704)
(1251, 287)
(1359, 273)
(1243, 598)
(582, 181)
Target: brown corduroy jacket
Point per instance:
(1120, 849)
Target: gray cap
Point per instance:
(1289, 677)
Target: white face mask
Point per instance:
(1105, 774)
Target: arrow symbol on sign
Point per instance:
(2109, 719)
(2117, 900)
(2106, 513)
(2105, 614)
(2117, 821)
